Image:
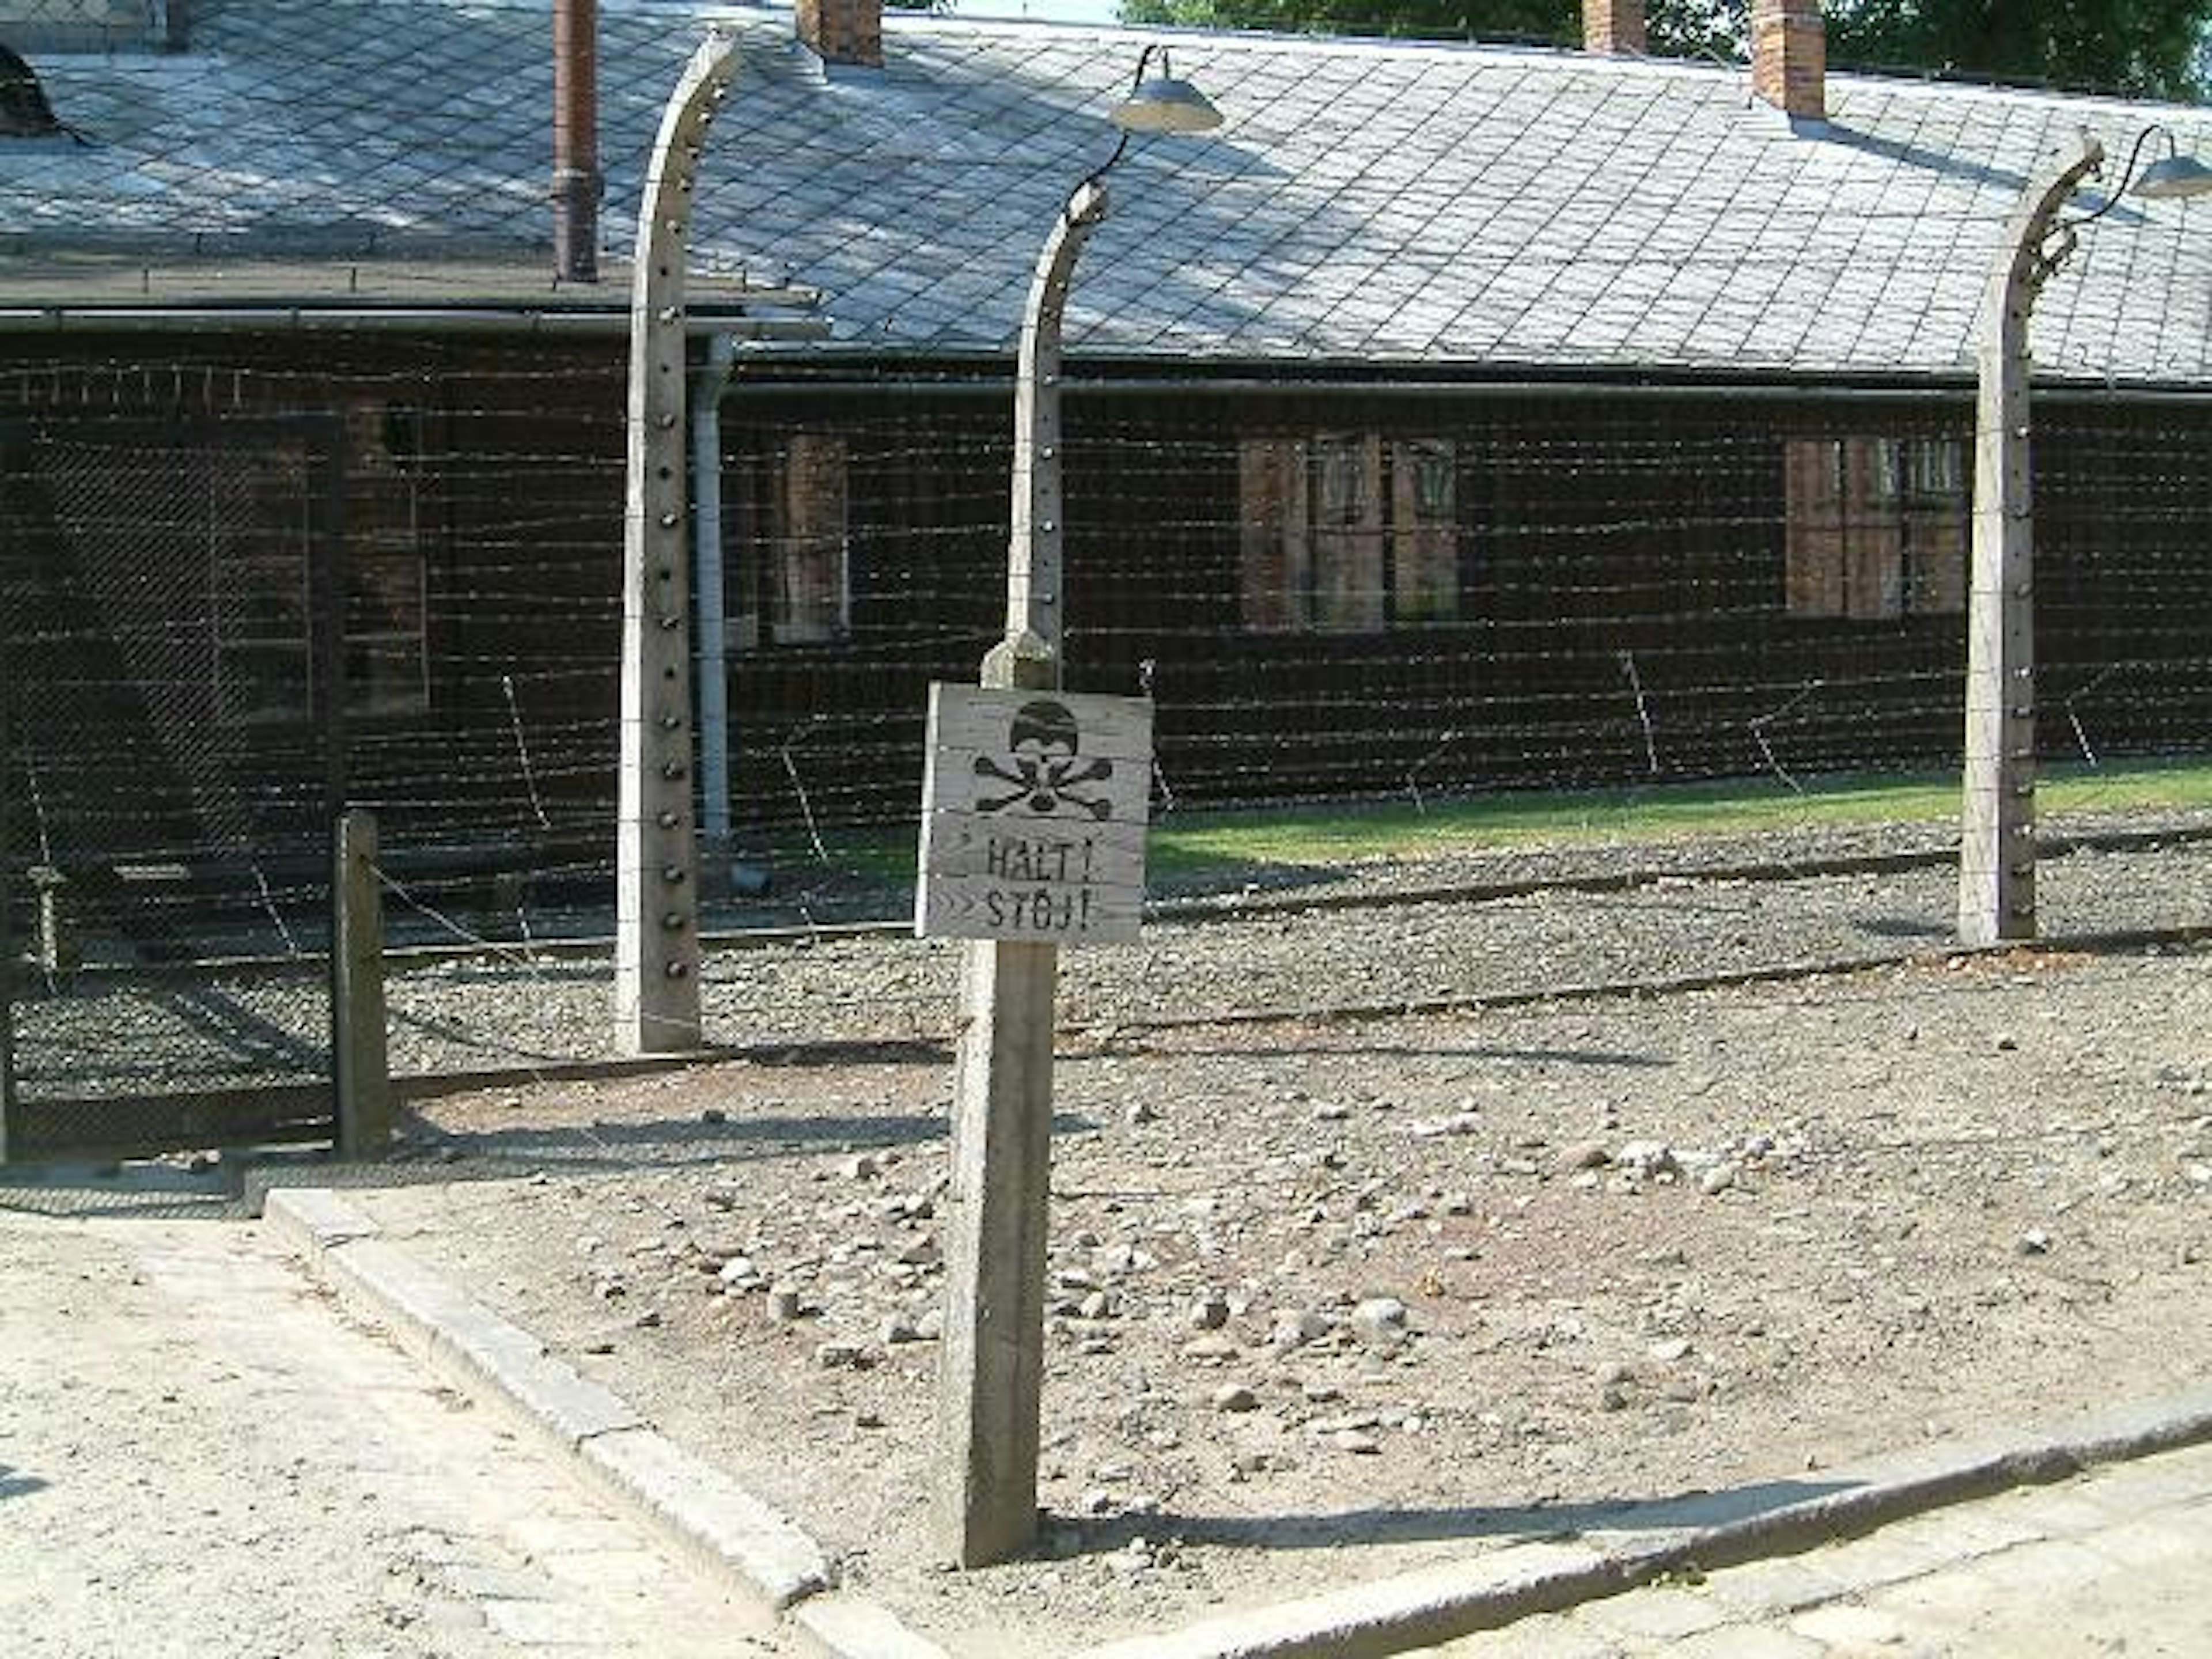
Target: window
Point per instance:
(1878, 527)
(255, 516)
(386, 647)
(1348, 532)
(210, 543)
(794, 567)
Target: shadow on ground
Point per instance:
(1367, 1526)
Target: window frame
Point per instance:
(1346, 532)
(1877, 528)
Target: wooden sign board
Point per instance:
(1034, 809)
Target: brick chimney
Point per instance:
(1614, 26)
(843, 31)
(1789, 58)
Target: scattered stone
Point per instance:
(866, 1418)
(1209, 1312)
(1648, 1160)
(1140, 1112)
(838, 1355)
(1718, 1180)
(783, 1304)
(1583, 1155)
(1136, 1558)
(1357, 1442)
(1459, 1123)
(1671, 1349)
(1381, 1322)
(862, 1166)
(1332, 1113)
(2034, 1241)
(1351, 1423)
(1235, 1397)
(1296, 1328)
(899, 1328)
(1208, 1350)
(714, 1114)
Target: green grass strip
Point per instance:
(1193, 844)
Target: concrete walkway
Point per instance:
(2115, 1561)
(201, 1455)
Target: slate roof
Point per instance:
(1494, 208)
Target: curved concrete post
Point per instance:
(1029, 655)
(657, 854)
(990, 1360)
(1996, 842)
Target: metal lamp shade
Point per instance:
(2174, 176)
(1164, 104)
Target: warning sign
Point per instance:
(1034, 812)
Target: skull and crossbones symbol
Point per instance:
(1045, 771)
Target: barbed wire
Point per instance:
(1623, 619)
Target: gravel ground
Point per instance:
(1292, 939)
(1334, 1296)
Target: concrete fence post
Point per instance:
(361, 1072)
(1996, 840)
(991, 1364)
(656, 846)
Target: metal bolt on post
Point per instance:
(657, 853)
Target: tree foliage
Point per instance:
(2145, 47)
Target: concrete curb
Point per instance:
(1438, 1604)
(741, 1542)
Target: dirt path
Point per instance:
(1333, 1299)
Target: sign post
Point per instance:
(991, 1367)
(1034, 812)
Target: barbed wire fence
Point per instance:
(240, 595)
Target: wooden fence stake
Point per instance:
(7, 949)
(361, 1077)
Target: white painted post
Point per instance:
(991, 1366)
(1996, 842)
(657, 852)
